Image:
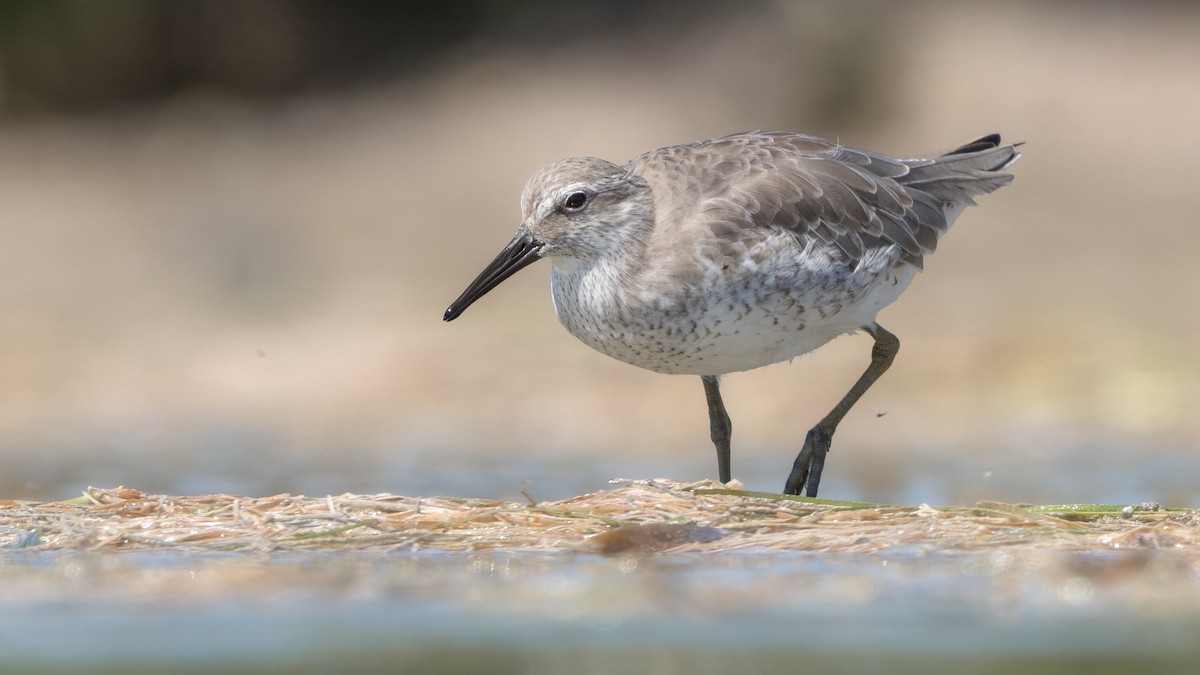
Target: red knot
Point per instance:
(734, 253)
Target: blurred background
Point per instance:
(228, 232)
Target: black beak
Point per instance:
(521, 251)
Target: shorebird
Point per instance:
(734, 253)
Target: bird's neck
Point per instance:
(588, 293)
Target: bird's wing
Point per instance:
(844, 200)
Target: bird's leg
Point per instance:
(719, 425)
(810, 462)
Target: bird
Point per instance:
(738, 252)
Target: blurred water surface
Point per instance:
(908, 611)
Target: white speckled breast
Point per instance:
(730, 320)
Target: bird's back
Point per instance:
(726, 189)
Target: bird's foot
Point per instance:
(806, 471)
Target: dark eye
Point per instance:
(575, 201)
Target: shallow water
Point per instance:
(525, 612)
(906, 610)
(1092, 473)
(909, 610)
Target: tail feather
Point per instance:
(982, 143)
(976, 168)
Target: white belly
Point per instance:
(727, 323)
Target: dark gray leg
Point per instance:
(810, 462)
(719, 425)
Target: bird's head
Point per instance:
(575, 211)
